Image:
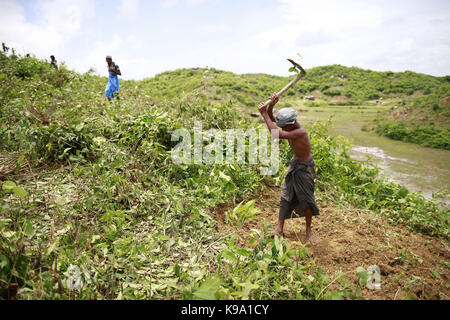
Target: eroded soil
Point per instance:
(412, 265)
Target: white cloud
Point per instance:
(351, 32)
(95, 57)
(214, 29)
(129, 9)
(195, 2)
(173, 3)
(61, 16)
(232, 35)
(58, 21)
(403, 46)
(169, 3)
(22, 35)
(331, 15)
(120, 48)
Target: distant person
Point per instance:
(54, 62)
(298, 187)
(112, 87)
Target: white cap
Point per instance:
(286, 116)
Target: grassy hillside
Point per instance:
(352, 85)
(362, 85)
(424, 95)
(424, 120)
(91, 184)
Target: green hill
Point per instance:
(355, 84)
(362, 85)
(426, 96)
(424, 120)
(91, 185)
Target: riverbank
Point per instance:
(420, 169)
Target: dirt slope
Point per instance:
(412, 265)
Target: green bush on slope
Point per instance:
(426, 120)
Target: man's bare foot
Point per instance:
(312, 238)
(277, 233)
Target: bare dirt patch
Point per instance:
(445, 102)
(412, 265)
(340, 99)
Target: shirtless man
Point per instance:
(298, 187)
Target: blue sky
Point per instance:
(148, 37)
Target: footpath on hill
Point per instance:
(412, 265)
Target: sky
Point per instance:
(146, 37)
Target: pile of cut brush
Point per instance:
(13, 163)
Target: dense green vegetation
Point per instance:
(92, 184)
(356, 84)
(424, 120)
(362, 85)
(425, 96)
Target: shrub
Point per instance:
(71, 141)
(332, 92)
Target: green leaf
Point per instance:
(337, 295)
(208, 289)
(176, 269)
(51, 247)
(372, 187)
(242, 252)
(279, 245)
(363, 276)
(20, 192)
(28, 229)
(4, 222)
(8, 186)
(20, 160)
(435, 274)
(3, 261)
(224, 176)
(80, 126)
(229, 255)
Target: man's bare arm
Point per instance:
(274, 98)
(273, 128)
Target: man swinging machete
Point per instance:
(297, 194)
